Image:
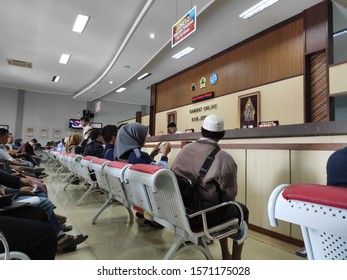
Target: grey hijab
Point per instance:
(130, 137)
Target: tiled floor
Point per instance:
(114, 237)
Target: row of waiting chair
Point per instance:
(153, 191)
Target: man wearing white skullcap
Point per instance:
(220, 182)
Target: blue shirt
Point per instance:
(108, 152)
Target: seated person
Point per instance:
(72, 142)
(219, 184)
(17, 154)
(28, 148)
(336, 168)
(109, 133)
(172, 128)
(13, 184)
(95, 148)
(131, 138)
(27, 230)
(60, 146)
(10, 162)
(17, 143)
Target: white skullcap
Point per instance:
(213, 123)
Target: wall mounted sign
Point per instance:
(268, 123)
(213, 78)
(184, 27)
(97, 106)
(203, 97)
(202, 82)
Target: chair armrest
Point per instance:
(204, 220)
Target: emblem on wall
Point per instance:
(213, 78)
(202, 82)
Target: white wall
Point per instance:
(113, 113)
(8, 107)
(49, 113)
(46, 116)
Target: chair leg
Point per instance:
(91, 189)
(106, 205)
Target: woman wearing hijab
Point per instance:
(131, 138)
(72, 142)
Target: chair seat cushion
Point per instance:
(319, 194)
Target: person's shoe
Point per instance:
(39, 169)
(43, 175)
(71, 242)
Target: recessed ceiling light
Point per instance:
(64, 59)
(262, 5)
(80, 23)
(127, 66)
(183, 52)
(55, 79)
(144, 76)
(121, 89)
(111, 82)
(152, 35)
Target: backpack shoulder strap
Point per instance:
(208, 162)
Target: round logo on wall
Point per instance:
(213, 78)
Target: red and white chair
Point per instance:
(320, 210)
(113, 180)
(166, 207)
(73, 163)
(87, 174)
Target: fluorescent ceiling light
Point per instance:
(339, 33)
(183, 52)
(55, 79)
(64, 59)
(144, 76)
(121, 89)
(80, 23)
(257, 8)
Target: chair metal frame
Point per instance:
(9, 255)
(86, 174)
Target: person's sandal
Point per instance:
(66, 228)
(71, 242)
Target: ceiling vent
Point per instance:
(19, 63)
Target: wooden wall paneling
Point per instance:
(274, 56)
(316, 27)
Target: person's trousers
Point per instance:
(30, 235)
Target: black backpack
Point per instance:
(189, 190)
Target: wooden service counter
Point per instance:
(268, 157)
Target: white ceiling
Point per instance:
(116, 36)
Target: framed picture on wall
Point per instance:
(171, 117)
(249, 110)
(4, 126)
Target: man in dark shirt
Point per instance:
(109, 133)
(337, 168)
(95, 148)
